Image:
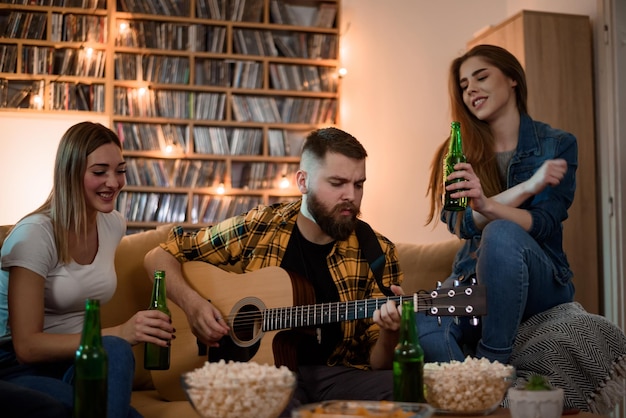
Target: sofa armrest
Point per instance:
(425, 264)
(133, 289)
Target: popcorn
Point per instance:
(473, 385)
(236, 390)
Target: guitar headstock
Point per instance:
(455, 301)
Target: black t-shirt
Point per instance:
(308, 260)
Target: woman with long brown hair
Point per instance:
(520, 182)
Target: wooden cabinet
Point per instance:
(556, 52)
(211, 98)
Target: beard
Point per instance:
(337, 226)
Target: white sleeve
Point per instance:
(31, 245)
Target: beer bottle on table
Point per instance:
(90, 364)
(453, 157)
(408, 359)
(155, 356)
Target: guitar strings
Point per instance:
(332, 311)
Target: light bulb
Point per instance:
(38, 102)
(221, 189)
(284, 182)
(342, 72)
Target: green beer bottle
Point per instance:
(90, 363)
(155, 356)
(453, 157)
(408, 359)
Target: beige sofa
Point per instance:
(566, 332)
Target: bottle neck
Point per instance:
(408, 326)
(456, 145)
(159, 299)
(91, 327)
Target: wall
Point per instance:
(394, 97)
(27, 148)
(395, 101)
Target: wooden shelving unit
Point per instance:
(212, 98)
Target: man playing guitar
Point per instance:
(314, 238)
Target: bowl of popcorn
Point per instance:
(236, 390)
(469, 387)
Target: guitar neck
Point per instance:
(324, 313)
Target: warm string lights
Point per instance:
(284, 182)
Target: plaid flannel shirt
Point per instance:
(259, 239)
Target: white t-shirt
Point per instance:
(31, 245)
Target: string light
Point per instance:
(38, 102)
(284, 182)
(221, 189)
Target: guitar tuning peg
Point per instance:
(474, 321)
(439, 284)
(439, 320)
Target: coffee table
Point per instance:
(503, 412)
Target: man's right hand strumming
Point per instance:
(206, 321)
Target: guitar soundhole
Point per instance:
(245, 333)
(247, 322)
(247, 325)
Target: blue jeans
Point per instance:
(519, 280)
(20, 402)
(57, 380)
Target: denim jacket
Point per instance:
(537, 143)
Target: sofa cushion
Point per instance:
(425, 264)
(134, 289)
(4, 231)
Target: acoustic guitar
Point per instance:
(258, 304)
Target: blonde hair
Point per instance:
(65, 205)
(478, 140)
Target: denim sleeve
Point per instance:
(460, 224)
(549, 208)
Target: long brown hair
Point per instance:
(65, 204)
(478, 142)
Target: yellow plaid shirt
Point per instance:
(259, 239)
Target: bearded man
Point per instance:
(314, 238)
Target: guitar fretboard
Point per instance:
(326, 313)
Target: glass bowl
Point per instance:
(238, 390)
(471, 387)
(360, 409)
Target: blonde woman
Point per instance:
(55, 258)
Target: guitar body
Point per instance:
(227, 292)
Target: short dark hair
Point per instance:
(322, 141)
